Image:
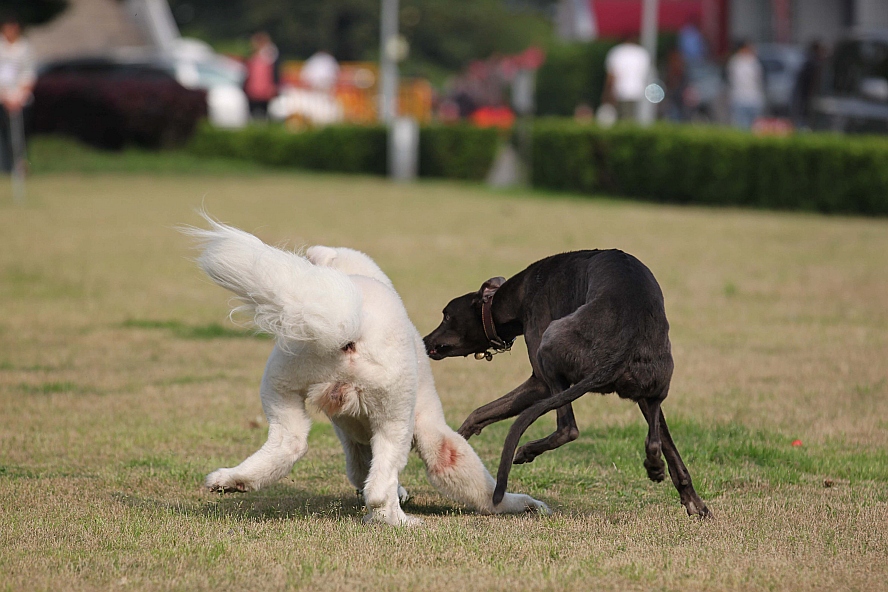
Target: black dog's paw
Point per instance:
(699, 509)
(656, 470)
(468, 429)
(524, 456)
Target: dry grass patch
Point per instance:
(122, 385)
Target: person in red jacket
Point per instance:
(261, 85)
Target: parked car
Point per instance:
(854, 97)
(195, 65)
(781, 64)
(190, 62)
(110, 104)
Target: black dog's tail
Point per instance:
(526, 418)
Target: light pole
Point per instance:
(647, 110)
(388, 66)
(403, 132)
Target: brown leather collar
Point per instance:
(487, 320)
(497, 343)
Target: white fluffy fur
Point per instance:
(379, 394)
(284, 293)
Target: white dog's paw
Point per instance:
(392, 519)
(537, 507)
(225, 481)
(403, 494)
(321, 255)
(518, 503)
(411, 520)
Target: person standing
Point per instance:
(627, 66)
(320, 72)
(17, 78)
(676, 86)
(261, 84)
(807, 84)
(746, 84)
(691, 43)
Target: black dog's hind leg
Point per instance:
(530, 415)
(566, 431)
(678, 472)
(653, 445)
(509, 405)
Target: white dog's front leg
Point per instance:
(288, 427)
(390, 445)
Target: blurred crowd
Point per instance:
(771, 85)
(767, 87)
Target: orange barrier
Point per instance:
(357, 92)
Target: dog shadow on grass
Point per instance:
(277, 502)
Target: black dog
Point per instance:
(593, 321)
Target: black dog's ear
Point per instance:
(489, 288)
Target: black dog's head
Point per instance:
(461, 333)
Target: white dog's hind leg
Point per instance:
(288, 427)
(357, 464)
(390, 445)
(357, 459)
(455, 470)
(452, 465)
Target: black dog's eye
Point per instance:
(446, 317)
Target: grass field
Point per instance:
(122, 384)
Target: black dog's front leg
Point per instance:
(566, 431)
(526, 394)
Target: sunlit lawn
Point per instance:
(122, 383)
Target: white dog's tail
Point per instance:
(287, 296)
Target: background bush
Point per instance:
(113, 112)
(675, 164)
(574, 74)
(716, 166)
(347, 149)
(455, 152)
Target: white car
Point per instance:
(196, 65)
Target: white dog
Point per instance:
(345, 345)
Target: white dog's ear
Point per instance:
(321, 255)
(489, 288)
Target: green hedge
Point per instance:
(352, 149)
(457, 151)
(675, 164)
(816, 172)
(454, 152)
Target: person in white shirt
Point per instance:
(320, 72)
(17, 78)
(627, 65)
(746, 84)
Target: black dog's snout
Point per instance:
(437, 352)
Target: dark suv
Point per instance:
(854, 97)
(109, 104)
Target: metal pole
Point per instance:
(388, 66)
(647, 110)
(17, 140)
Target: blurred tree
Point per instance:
(447, 35)
(33, 12)
(443, 36)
